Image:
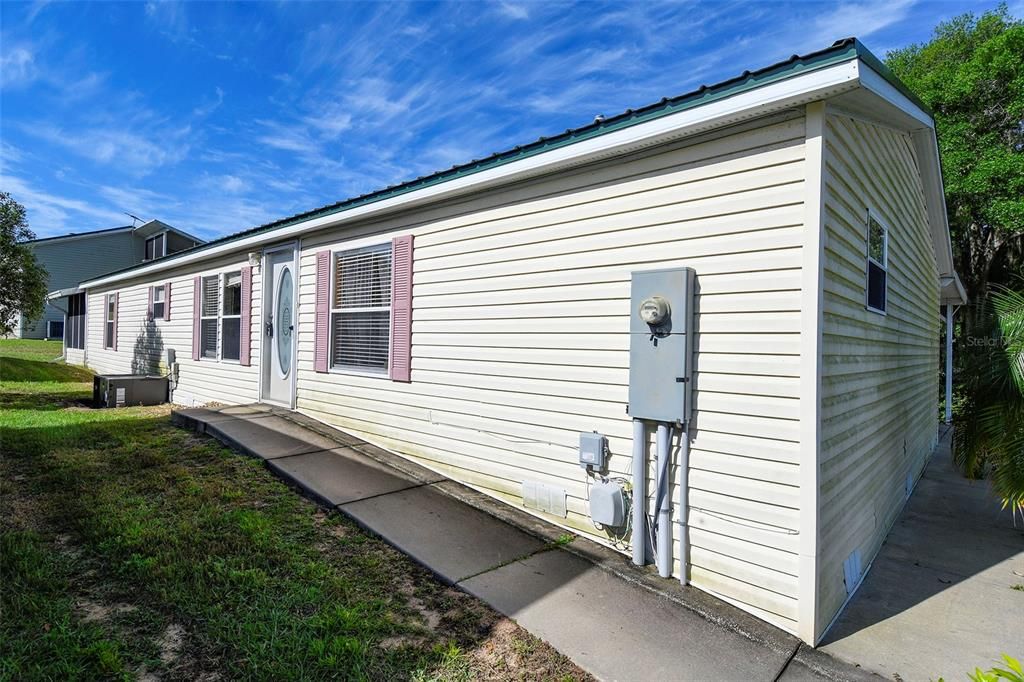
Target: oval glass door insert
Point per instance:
(284, 322)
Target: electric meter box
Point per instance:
(660, 344)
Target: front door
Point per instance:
(279, 321)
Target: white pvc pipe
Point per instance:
(664, 551)
(639, 493)
(949, 363)
(684, 504)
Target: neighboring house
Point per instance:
(72, 258)
(478, 320)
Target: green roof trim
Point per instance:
(840, 51)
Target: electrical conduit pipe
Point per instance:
(663, 555)
(639, 493)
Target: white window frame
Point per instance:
(51, 336)
(163, 295)
(222, 278)
(383, 373)
(109, 318)
(163, 242)
(203, 318)
(868, 261)
(222, 317)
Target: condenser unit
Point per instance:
(123, 390)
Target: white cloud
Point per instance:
(130, 151)
(205, 110)
(514, 10)
(233, 184)
(17, 67)
(50, 214)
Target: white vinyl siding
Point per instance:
(143, 347)
(880, 372)
(520, 321)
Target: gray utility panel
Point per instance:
(660, 344)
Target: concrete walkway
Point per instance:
(614, 620)
(939, 598)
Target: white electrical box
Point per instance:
(593, 448)
(608, 504)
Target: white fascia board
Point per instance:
(873, 81)
(778, 96)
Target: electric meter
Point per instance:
(654, 310)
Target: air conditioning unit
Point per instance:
(123, 390)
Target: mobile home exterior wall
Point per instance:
(142, 342)
(879, 371)
(520, 341)
(812, 414)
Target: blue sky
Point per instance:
(218, 117)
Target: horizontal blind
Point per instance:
(361, 339)
(362, 278)
(208, 338)
(210, 296)
(361, 317)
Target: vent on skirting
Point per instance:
(545, 498)
(851, 571)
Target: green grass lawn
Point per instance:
(132, 549)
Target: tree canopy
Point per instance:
(971, 74)
(22, 279)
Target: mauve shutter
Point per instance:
(167, 301)
(117, 314)
(149, 306)
(197, 286)
(323, 310)
(245, 331)
(401, 308)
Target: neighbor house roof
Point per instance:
(840, 52)
(79, 235)
(151, 226)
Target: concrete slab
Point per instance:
(211, 415)
(448, 537)
(811, 665)
(938, 600)
(268, 437)
(616, 630)
(339, 476)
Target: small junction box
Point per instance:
(593, 450)
(608, 504)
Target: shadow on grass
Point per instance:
(261, 582)
(45, 397)
(21, 369)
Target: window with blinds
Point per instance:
(208, 317)
(231, 317)
(361, 309)
(158, 302)
(108, 327)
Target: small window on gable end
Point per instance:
(877, 270)
(158, 302)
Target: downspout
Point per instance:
(663, 555)
(639, 493)
(684, 504)
(949, 363)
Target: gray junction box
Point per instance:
(660, 345)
